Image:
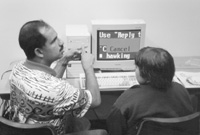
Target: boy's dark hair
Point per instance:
(31, 38)
(156, 66)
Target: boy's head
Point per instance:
(155, 66)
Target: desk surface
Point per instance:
(110, 96)
(191, 64)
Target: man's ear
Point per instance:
(38, 52)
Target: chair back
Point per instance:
(90, 132)
(8, 127)
(187, 125)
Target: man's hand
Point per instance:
(87, 59)
(73, 54)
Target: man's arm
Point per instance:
(92, 86)
(61, 67)
(87, 60)
(91, 81)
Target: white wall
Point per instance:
(171, 24)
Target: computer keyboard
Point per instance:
(112, 80)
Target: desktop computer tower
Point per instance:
(76, 37)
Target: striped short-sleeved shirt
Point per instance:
(37, 96)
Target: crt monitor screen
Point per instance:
(117, 44)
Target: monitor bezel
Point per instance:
(115, 25)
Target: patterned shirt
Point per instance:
(37, 96)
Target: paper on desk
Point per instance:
(189, 79)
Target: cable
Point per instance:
(5, 73)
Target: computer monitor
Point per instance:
(116, 42)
